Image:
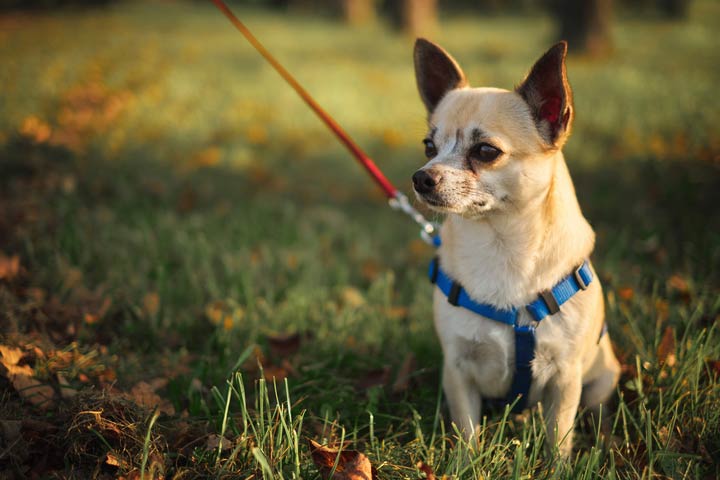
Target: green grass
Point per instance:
(180, 168)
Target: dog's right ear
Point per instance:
(436, 73)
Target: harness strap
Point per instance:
(547, 303)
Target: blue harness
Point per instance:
(548, 303)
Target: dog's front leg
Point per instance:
(463, 397)
(560, 402)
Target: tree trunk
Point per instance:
(415, 17)
(358, 12)
(675, 8)
(585, 24)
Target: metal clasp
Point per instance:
(428, 230)
(579, 279)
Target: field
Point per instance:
(196, 279)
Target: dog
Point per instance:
(513, 233)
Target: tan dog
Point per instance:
(513, 229)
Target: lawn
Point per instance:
(196, 279)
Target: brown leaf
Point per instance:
(626, 293)
(9, 266)
(21, 377)
(66, 390)
(678, 284)
(427, 470)
(143, 393)
(666, 349)
(352, 297)
(273, 372)
(402, 380)
(151, 304)
(378, 377)
(284, 345)
(214, 441)
(351, 464)
(114, 460)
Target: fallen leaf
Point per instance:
(351, 464)
(427, 470)
(397, 312)
(228, 322)
(378, 377)
(284, 345)
(35, 129)
(151, 304)
(352, 297)
(215, 311)
(143, 393)
(21, 377)
(66, 390)
(214, 441)
(273, 372)
(208, 157)
(402, 380)
(370, 269)
(626, 293)
(666, 349)
(9, 266)
(113, 460)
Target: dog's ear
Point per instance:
(547, 91)
(436, 73)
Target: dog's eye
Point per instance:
(430, 148)
(484, 152)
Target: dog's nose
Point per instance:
(425, 181)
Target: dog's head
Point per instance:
(488, 149)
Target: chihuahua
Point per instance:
(514, 239)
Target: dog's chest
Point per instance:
(481, 349)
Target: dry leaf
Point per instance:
(66, 390)
(114, 460)
(151, 304)
(9, 266)
(351, 464)
(271, 372)
(143, 393)
(678, 283)
(284, 345)
(215, 311)
(214, 441)
(626, 293)
(427, 470)
(352, 297)
(21, 377)
(378, 377)
(666, 349)
(402, 380)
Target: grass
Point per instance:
(179, 215)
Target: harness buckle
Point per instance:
(454, 294)
(549, 298)
(579, 279)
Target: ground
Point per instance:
(196, 279)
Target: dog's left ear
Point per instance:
(547, 91)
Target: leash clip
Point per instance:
(428, 230)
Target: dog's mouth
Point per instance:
(433, 201)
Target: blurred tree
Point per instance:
(358, 12)
(585, 24)
(415, 17)
(30, 4)
(675, 8)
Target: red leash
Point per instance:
(397, 199)
(341, 134)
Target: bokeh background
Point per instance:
(172, 213)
